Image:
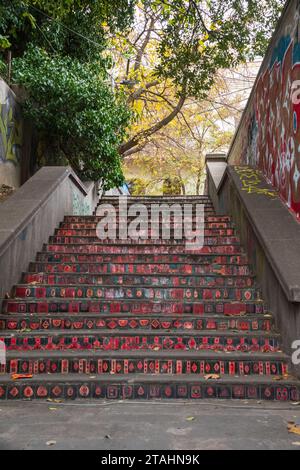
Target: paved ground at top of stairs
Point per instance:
(148, 425)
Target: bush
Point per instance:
(73, 106)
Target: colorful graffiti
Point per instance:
(273, 140)
(10, 127)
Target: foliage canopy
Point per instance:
(58, 57)
(165, 52)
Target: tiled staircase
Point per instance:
(141, 319)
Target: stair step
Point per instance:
(93, 225)
(134, 306)
(208, 241)
(94, 218)
(110, 292)
(157, 280)
(91, 233)
(112, 340)
(158, 198)
(191, 259)
(120, 322)
(156, 269)
(136, 387)
(145, 212)
(135, 248)
(145, 362)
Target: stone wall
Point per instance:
(31, 214)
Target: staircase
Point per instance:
(147, 319)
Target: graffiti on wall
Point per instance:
(251, 180)
(80, 206)
(10, 127)
(273, 140)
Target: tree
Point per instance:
(177, 152)
(59, 59)
(181, 45)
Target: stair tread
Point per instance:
(136, 286)
(166, 317)
(165, 378)
(116, 332)
(141, 262)
(237, 355)
(168, 275)
(134, 300)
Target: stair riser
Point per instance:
(93, 226)
(117, 293)
(133, 342)
(53, 322)
(199, 197)
(141, 391)
(169, 208)
(94, 219)
(149, 201)
(195, 260)
(140, 249)
(141, 269)
(123, 280)
(92, 233)
(208, 241)
(169, 204)
(147, 215)
(143, 366)
(136, 308)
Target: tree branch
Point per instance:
(136, 94)
(145, 134)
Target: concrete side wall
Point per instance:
(270, 236)
(29, 217)
(10, 137)
(268, 136)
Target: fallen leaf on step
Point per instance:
(293, 428)
(297, 443)
(212, 377)
(296, 403)
(21, 376)
(190, 418)
(281, 377)
(54, 400)
(52, 409)
(50, 443)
